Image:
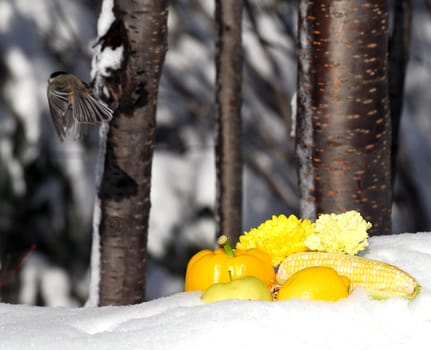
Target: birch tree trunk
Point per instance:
(343, 123)
(229, 160)
(141, 28)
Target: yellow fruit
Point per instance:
(315, 283)
(245, 288)
(381, 280)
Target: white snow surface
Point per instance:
(183, 321)
(106, 17)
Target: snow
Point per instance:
(106, 17)
(196, 186)
(22, 71)
(183, 321)
(105, 59)
(6, 14)
(15, 171)
(93, 297)
(53, 282)
(31, 33)
(34, 37)
(109, 59)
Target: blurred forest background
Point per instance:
(47, 188)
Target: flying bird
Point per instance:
(72, 105)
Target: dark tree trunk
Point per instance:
(141, 28)
(399, 45)
(343, 122)
(229, 161)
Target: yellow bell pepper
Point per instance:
(208, 267)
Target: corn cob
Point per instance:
(381, 280)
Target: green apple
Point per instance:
(245, 288)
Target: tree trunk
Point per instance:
(399, 46)
(229, 161)
(141, 28)
(343, 124)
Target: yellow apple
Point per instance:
(245, 288)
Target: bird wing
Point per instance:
(59, 107)
(86, 109)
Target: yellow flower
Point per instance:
(278, 237)
(342, 233)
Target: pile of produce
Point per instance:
(289, 258)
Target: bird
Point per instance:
(72, 105)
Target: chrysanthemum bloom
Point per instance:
(339, 233)
(278, 237)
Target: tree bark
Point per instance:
(343, 124)
(399, 47)
(141, 28)
(229, 160)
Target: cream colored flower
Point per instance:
(339, 233)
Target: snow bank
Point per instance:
(183, 321)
